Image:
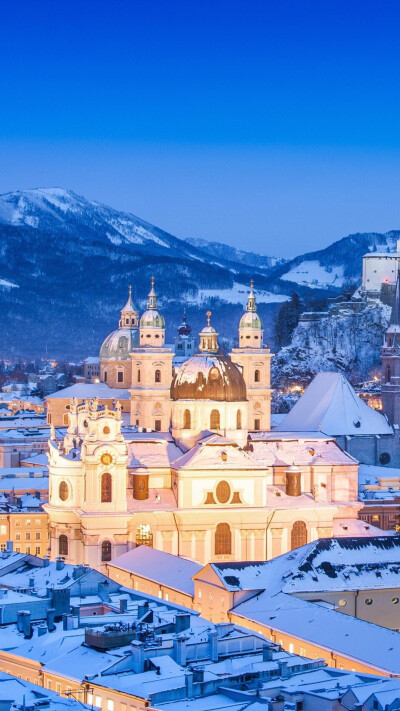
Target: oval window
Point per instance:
(369, 601)
(384, 458)
(63, 491)
(106, 458)
(342, 603)
(106, 430)
(223, 492)
(395, 600)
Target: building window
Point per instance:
(186, 420)
(63, 545)
(106, 551)
(214, 420)
(257, 424)
(49, 418)
(223, 539)
(157, 376)
(384, 458)
(28, 536)
(138, 376)
(65, 418)
(239, 420)
(37, 550)
(144, 536)
(256, 376)
(395, 600)
(157, 425)
(63, 491)
(388, 374)
(223, 492)
(299, 534)
(120, 376)
(368, 601)
(342, 603)
(105, 376)
(106, 488)
(3, 530)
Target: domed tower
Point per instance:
(208, 394)
(184, 343)
(151, 371)
(254, 359)
(87, 509)
(115, 360)
(391, 363)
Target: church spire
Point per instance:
(152, 298)
(251, 299)
(208, 337)
(129, 313)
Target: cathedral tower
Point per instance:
(391, 363)
(151, 371)
(88, 487)
(115, 361)
(255, 361)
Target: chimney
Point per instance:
(267, 652)
(59, 563)
(41, 629)
(46, 561)
(68, 622)
(9, 546)
(213, 645)
(50, 614)
(182, 622)
(137, 649)
(180, 649)
(189, 684)
(31, 582)
(283, 668)
(198, 675)
(24, 623)
(123, 606)
(76, 613)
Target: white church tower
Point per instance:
(151, 371)
(87, 507)
(254, 360)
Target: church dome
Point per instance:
(119, 344)
(250, 319)
(184, 329)
(208, 377)
(152, 319)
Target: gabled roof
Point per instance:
(330, 405)
(163, 568)
(216, 452)
(85, 391)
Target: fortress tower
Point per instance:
(391, 363)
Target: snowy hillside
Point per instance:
(347, 341)
(225, 251)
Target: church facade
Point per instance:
(196, 471)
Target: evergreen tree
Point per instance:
(287, 320)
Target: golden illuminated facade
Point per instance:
(199, 477)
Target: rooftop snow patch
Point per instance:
(330, 405)
(163, 568)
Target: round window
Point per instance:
(223, 492)
(106, 459)
(342, 603)
(395, 600)
(63, 491)
(106, 430)
(214, 374)
(368, 601)
(384, 458)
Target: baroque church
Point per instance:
(187, 462)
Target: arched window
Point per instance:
(106, 488)
(106, 550)
(186, 420)
(256, 376)
(299, 534)
(138, 375)
(63, 545)
(239, 420)
(157, 376)
(214, 420)
(63, 491)
(144, 536)
(105, 376)
(65, 419)
(223, 539)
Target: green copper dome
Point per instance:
(250, 319)
(119, 344)
(152, 319)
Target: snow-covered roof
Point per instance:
(330, 405)
(163, 568)
(302, 451)
(92, 360)
(216, 452)
(326, 628)
(86, 391)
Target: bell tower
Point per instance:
(390, 355)
(151, 371)
(129, 314)
(254, 359)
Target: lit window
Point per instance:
(110, 705)
(342, 603)
(3, 530)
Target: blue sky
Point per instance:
(268, 125)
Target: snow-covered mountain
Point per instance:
(225, 251)
(66, 262)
